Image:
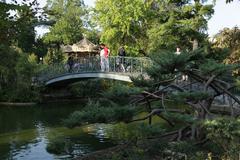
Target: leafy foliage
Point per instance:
(229, 39)
(18, 28)
(167, 65)
(225, 133)
(159, 149)
(128, 132)
(142, 82)
(189, 96)
(179, 24)
(99, 113)
(168, 61)
(53, 56)
(211, 67)
(68, 26)
(17, 37)
(93, 89)
(180, 118)
(149, 26)
(21, 88)
(120, 93)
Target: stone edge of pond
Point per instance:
(18, 103)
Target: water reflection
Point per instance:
(26, 131)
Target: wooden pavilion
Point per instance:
(83, 48)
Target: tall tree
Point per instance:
(8, 35)
(16, 35)
(152, 25)
(26, 23)
(179, 23)
(229, 39)
(67, 17)
(122, 22)
(7, 23)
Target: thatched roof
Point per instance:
(82, 46)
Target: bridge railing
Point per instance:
(118, 65)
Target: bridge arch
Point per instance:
(71, 78)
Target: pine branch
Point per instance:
(210, 80)
(202, 80)
(168, 121)
(159, 91)
(166, 81)
(205, 109)
(228, 93)
(151, 94)
(156, 112)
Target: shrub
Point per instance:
(225, 132)
(94, 112)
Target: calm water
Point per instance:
(26, 131)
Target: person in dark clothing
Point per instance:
(121, 54)
(70, 63)
(121, 51)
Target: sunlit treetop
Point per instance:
(152, 25)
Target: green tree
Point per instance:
(8, 29)
(26, 19)
(7, 35)
(179, 23)
(7, 63)
(152, 25)
(122, 22)
(192, 79)
(229, 39)
(16, 37)
(68, 26)
(225, 133)
(40, 48)
(184, 104)
(92, 31)
(17, 27)
(53, 56)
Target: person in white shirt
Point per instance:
(104, 54)
(184, 77)
(178, 51)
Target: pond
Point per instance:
(25, 133)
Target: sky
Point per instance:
(226, 15)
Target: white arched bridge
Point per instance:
(118, 68)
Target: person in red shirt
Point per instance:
(104, 54)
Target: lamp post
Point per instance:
(41, 60)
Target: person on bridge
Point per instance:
(178, 52)
(104, 54)
(121, 54)
(70, 63)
